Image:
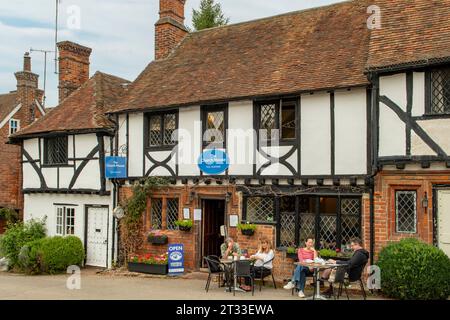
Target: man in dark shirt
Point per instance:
(354, 267)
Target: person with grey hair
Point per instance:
(230, 248)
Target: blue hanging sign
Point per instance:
(213, 161)
(176, 258)
(115, 167)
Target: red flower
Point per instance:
(338, 250)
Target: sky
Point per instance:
(120, 32)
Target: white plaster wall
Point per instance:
(189, 140)
(351, 132)
(65, 177)
(32, 147)
(315, 139)
(439, 131)
(418, 108)
(394, 87)
(160, 156)
(136, 143)
(30, 177)
(84, 143)
(241, 137)
(122, 136)
(89, 177)
(37, 206)
(51, 176)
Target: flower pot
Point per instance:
(158, 240)
(187, 229)
(292, 255)
(248, 232)
(148, 268)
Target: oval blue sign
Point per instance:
(213, 161)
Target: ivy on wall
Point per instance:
(131, 226)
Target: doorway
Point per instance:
(443, 219)
(97, 236)
(213, 218)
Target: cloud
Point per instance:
(121, 32)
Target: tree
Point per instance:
(208, 16)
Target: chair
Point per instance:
(343, 279)
(215, 267)
(261, 272)
(309, 276)
(243, 270)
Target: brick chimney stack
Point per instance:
(73, 67)
(170, 29)
(27, 90)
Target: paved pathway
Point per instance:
(107, 287)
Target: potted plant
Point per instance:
(156, 237)
(247, 229)
(148, 263)
(184, 225)
(291, 252)
(327, 254)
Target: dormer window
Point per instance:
(55, 151)
(277, 119)
(14, 126)
(439, 91)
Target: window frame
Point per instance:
(63, 209)
(317, 215)
(161, 114)
(396, 192)
(17, 128)
(164, 216)
(279, 103)
(45, 162)
(205, 109)
(429, 93)
(274, 213)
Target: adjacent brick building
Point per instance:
(18, 109)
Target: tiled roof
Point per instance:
(7, 104)
(313, 49)
(411, 32)
(83, 110)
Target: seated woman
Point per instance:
(300, 273)
(230, 248)
(263, 261)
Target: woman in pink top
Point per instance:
(300, 273)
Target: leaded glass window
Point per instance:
(350, 219)
(156, 213)
(287, 221)
(260, 209)
(440, 91)
(268, 120)
(55, 151)
(172, 213)
(288, 121)
(215, 127)
(161, 128)
(406, 211)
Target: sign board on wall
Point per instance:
(213, 161)
(197, 214)
(115, 167)
(176, 259)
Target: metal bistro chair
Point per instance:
(243, 270)
(342, 278)
(312, 276)
(215, 268)
(261, 273)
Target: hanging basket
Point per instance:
(248, 232)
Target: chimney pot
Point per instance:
(27, 62)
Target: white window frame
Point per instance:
(17, 127)
(65, 219)
(398, 192)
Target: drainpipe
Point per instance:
(372, 223)
(114, 221)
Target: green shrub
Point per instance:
(328, 253)
(184, 223)
(413, 270)
(51, 255)
(9, 215)
(291, 250)
(17, 235)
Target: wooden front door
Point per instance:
(213, 218)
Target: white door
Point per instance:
(97, 237)
(443, 220)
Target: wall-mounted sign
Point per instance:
(115, 167)
(213, 161)
(176, 258)
(234, 220)
(186, 213)
(197, 214)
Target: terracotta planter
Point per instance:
(158, 240)
(148, 268)
(248, 232)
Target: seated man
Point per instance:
(354, 267)
(230, 248)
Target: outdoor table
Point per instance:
(230, 263)
(317, 268)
